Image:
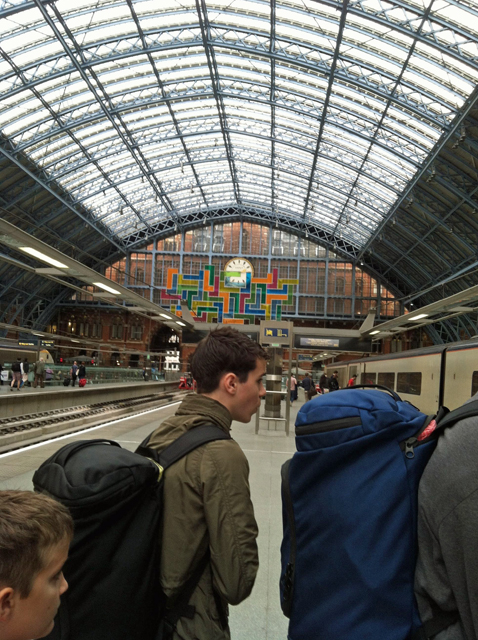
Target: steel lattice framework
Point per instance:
(352, 121)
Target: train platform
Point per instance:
(259, 617)
(33, 401)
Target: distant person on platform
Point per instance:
(82, 371)
(293, 388)
(352, 381)
(17, 374)
(74, 373)
(26, 369)
(323, 383)
(306, 385)
(334, 382)
(39, 371)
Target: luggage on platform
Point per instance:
(350, 515)
(115, 497)
(66, 382)
(81, 382)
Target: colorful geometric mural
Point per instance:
(211, 296)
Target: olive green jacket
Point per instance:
(207, 504)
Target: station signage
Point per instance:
(329, 343)
(276, 333)
(27, 343)
(47, 343)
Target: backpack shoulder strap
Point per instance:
(468, 410)
(288, 579)
(186, 443)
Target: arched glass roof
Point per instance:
(322, 111)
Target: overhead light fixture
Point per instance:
(181, 323)
(42, 256)
(106, 288)
(34, 333)
(419, 317)
(165, 316)
(74, 340)
(373, 333)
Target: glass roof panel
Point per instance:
(141, 122)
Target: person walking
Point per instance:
(323, 383)
(352, 381)
(74, 373)
(334, 382)
(17, 374)
(293, 388)
(82, 374)
(26, 369)
(307, 385)
(39, 371)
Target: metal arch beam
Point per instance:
(302, 63)
(444, 138)
(420, 111)
(126, 137)
(330, 184)
(68, 131)
(404, 28)
(202, 12)
(386, 108)
(74, 167)
(163, 93)
(279, 56)
(385, 21)
(109, 237)
(441, 224)
(32, 192)
(450, 50)
(45, 135)
(272, 47)
(262, 216)
(47, 314)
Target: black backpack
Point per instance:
(115, 497)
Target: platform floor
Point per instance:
(259, 617)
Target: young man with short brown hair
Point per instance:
(207, 507)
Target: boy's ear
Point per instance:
(229, 383)
(6, 603)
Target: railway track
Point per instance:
(20, 431)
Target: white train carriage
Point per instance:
(417, 376)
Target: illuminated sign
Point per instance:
(319, 342)
(277, 333)
(30, 343)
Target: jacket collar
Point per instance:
(195, 404)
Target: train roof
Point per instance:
(412, 353)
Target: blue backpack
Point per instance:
(350, 517)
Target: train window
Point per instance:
(474, 383)
(387, 380)
(409, 383)
(368, 378)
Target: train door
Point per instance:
(461, 376)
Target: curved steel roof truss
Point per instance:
(319, 115)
